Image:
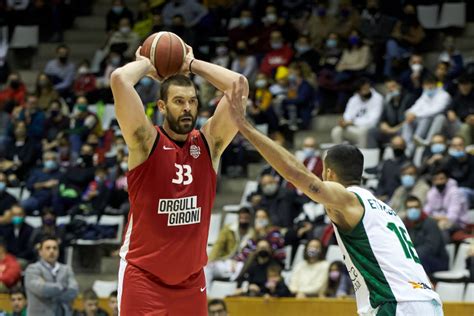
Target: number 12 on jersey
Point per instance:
(405, 241)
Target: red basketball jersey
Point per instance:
(171, 196)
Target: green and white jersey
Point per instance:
(380, 257)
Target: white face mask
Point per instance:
(270, 189)
(271, 18)
(83, 70)
(308, 152)
(124, 166)
(125, 29)
(261, 223)
(416, 67)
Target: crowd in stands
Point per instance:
(361, 59)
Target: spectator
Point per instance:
(419, 117)
(90, 303)
(275, 285)
(13, 94)
(434, 156)
(97, 194)
(311, 158)
(217, 307)
(396, 102)
(461, 110)
(6, 199)
(245, 30)
(339, 282)
(50, 286)
(17, 236)
(446, 203)
(309, 277)
(231, 241)
(411, 79)
(144, 20)
(41, 183)
(5, 124)
(222, 56)
(348, 19)
(61, 71)
(269, 23)
(261, 109)
(460, 166)
(452, 56)
(389, 174)
(10, 271)
(280, 54)
(362, 112)
(45, 91)
(441, 74)
(320, 24)
(426, 236)
(304, 52)
(57, 122)
(49, 227)
(299, 102)
(192, 12)
(118, 11)
(33, 116)
(354, 60)
(113, 303)
(85, 82)
(411, 185)
(123, 41)
(18, 302)
(407, 34)
(244, 63)
(375, 25)
(148, 90)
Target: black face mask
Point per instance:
(244, 226)
(398, 152)
(264, 254)
(54, 113)
(440, 187)
(63, 59)
(241, 51)
(15, 84)
(372, 10)
(366, 96)
(87, 160)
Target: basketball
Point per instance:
(166, 51)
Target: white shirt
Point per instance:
(310, 278)
(364, 113)
(426, 106)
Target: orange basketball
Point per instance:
(166, 51)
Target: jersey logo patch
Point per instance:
(195, 151)
(419, 285)
(182, 211)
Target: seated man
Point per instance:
(426, 236)
(18, 301)
(435, 155)
(113, 303)
(90, 302)
(217, 307)
(17, 236)
(6, 199)
(362, 113)
(461, 110)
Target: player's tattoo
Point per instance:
(314, 188)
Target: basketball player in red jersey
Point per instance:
(171, 184)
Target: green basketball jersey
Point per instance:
(381, 259)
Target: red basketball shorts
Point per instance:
(142, 294)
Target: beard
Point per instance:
(182, 125)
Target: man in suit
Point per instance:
(50, 286)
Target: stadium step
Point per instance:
(85, 36)
(92, 22)
(469, 29)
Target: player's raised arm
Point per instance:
(137, 130)
(342, 205)
(220, 129)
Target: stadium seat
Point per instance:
(16, 192)
(104, 288)
(334, 253)
(34, 221)
(25, 36)
(458, 270)
(112, 220)
(470, 217)
(286, 275)
(221, 289)
(214, 228)
(450, 249)
(288, 250)
(325, 146)
(450, 292)
(469, 295)
(250, 187)
(231, 218)
(299, 256)
(418, 156)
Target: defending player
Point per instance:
(385, 270)
(172, 184)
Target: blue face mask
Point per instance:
(438, 148)
(413, 214)
(245, 21)
(408, 181)
(3, 186)
(430, 92)
(331, 43)
(308, 152)
(354, 40)
(146, 81)
(17, 220)
(456, 153)
(50, 164)
(292, 78)
(117, 9)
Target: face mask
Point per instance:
(270, 189)
(115, 61)
(292, 78)
(81, 107)
(440, 187)
(413, 214)
(429, 92)
(322, 12)
(48, 222)
(354, 40)
(416, 67)
(125, 29)
(244, 226)
(393, 94)
(260, 83)
(117, 9)
(63, 59)
(54, 113)
(14, 84)
(308, 152)
(245, 21)
(372, 10)
(456, 153)
(408, 181)
(221, 50)
(331, 43)
(301, 49)
(261, 223)
(334, 275)
(312, 253)
(398, 152)
(366, 97)
(264, 254)
(146, 81)
(87, 160)
(271, 18)
(3, 186)
(17, 220)
(241, 51)
(437, 148)
(83, 70)
(276, 45)
(50, 164)
(98, 179)
(124, 166)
